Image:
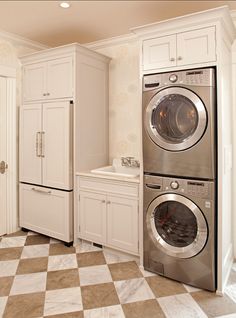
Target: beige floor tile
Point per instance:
(8, 268)
(214, 305)
(162, 286)
(3, 302)
(7, 242)
(32, 265)
(85, 247)
(78, 314)
(90, 259)
(105, 312)
(133, 290)
(29, 283)
(124, 271)
(143, 309)
(94, 275)
(58, 262)
(100, 295)
(25, 306)
(37, 239)
(60, 249)
(18, 233)
(5, 285)
(62, 279)
(33, 251)
(7, 254)
(62, 301)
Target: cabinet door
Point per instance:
(34, 82)
(92, 216)
(60, 78)
(46, 211)
(122, 223)
(159, 52)
(196, 46)
(57, 145)
(30, 154)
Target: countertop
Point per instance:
(108, 177)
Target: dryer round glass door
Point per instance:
(176, 225)
(175, 119)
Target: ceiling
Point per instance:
(87, 21)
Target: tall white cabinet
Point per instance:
(63, 129)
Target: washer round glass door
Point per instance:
(175, 118)
(176, 225)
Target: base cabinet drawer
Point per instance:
(46, 211)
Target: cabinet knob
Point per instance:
(180, 58)
(172, 59)
(44, 94)
(108, 202)
(48, 94)
(103, 201)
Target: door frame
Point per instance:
(12, 205)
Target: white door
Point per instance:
(30, 144)
(122, 223)
(3, 155)
(34, 82)
(56, 145)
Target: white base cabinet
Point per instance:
(107, 214)
(46, 211)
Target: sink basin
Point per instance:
(121, 171)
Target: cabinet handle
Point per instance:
(44, 94)
(37, 144)
(108, 202)
(172, 59)
(103, 201)
(48, 94)
(42, 133)
(180, 58)
(41, 191)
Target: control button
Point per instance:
(173, 78)
(174, 185)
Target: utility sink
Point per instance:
(117, 170)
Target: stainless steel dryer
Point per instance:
(179, 123)
(179, 227)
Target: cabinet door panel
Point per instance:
(57, 145)
(60, 78)
(196, 46)
(29, 156)
(92, 216)
(122, 223)
(34, 82)
(46, 211)
(159, 52)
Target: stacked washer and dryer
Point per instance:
(179, 153)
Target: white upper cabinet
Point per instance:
(52, 79)
(185, 48)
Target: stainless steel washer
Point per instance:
(179, 123)
(179, 229)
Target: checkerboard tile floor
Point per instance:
(40, 277)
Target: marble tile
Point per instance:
(191, 289)
(228, 316)
(94, 275)
(101, 295)
(60, 249)
(18, 233)
(181, 306)
(230, 290)
(62, 262)
(143, 309)
(125, 271)
(5, 285)
(32, 233)
(90, 259)
(32, 265)
(162, 286)
(30, 283)
(213, 304)
(146, 273)
(84, 247)
(25, 306)
(62, 301)
(7, 242)
(105, 312)
(116, 258)
(75, 314)
(35, 251)
(3, 302)
(37, 239)
(54, 241)
(8, 268)
(133, 290)
(62, 279)
(7, 254)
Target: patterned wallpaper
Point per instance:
(124, 100)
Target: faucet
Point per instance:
(129, 162)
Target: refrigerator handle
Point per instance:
(37, 150)
(42, 145)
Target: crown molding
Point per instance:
(19, 40)
(117, 40)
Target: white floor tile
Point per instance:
(115, 258)
(228, 316)
(85, 247)
(94, 275)
(59, 262)
(230, 290)
(105, 312)
(191, 289)
(29, 283)
(8, 268)
(62, 300)
(181, 306)
(146, 273)
(3, 301)
(33, 251)
(7, 242)
(133, 290)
